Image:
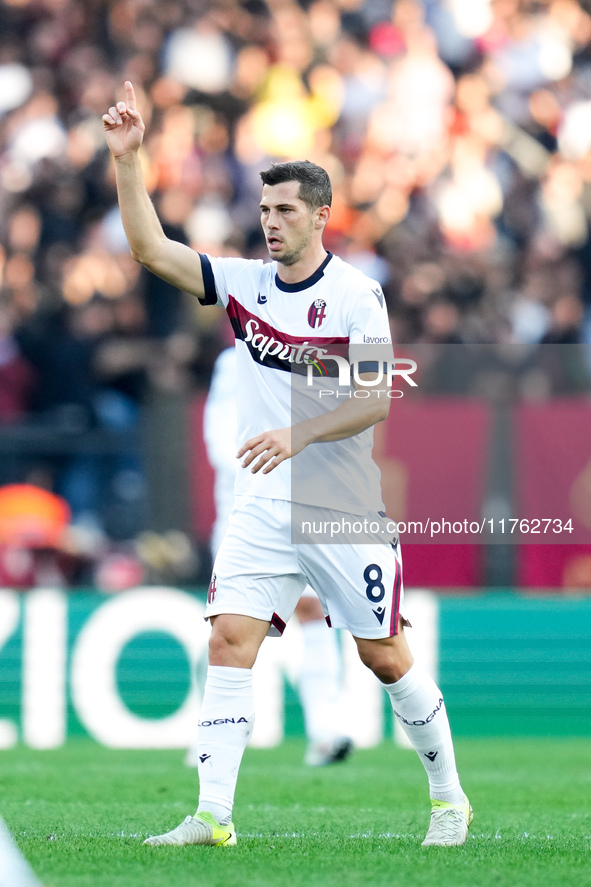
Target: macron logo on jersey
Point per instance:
(261, 299)
(379, 295)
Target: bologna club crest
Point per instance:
(317, 313)
(213, 587)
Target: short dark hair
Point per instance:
(315, 187)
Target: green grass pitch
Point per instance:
(80, 814)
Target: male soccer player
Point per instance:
(286, 314)
(319, 680)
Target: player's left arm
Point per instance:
(348, 419)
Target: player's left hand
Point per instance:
(272, 448)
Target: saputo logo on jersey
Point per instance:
(273, 348)
(319, 356)
(298, 352)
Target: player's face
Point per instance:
(288, 223)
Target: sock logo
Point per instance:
(431, 755)
(203, 758)
(420, 723)
(379, 614)
(223, 721)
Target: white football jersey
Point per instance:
(280, 329)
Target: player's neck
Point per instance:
(303, 268)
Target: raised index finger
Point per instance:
(129, 95)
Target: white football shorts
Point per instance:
(259, 572)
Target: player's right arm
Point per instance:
(175, 262)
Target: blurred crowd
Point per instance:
(457, 134)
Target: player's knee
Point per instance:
(224, 648)
(388, 660)
(389, 669)
(381, 664)
(225, 642)
(230, 645)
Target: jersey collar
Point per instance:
(303, 284)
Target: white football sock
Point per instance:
(320, 681)
(226, 721)
(418, 704)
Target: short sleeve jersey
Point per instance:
(279, 329)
